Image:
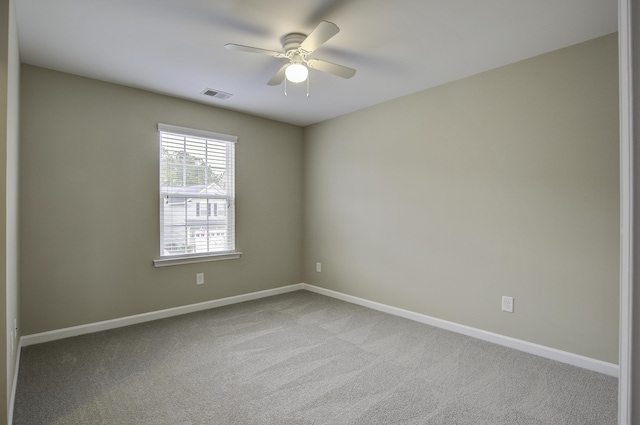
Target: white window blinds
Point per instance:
(196, 192)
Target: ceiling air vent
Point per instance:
(216, 93)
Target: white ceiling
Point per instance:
(398, 47)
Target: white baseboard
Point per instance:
(517, 344)
(12, 396)
(147, 317)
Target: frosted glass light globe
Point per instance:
(296, 72)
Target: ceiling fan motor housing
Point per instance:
(292, 41)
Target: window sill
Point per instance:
(175, 261)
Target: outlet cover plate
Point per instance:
(507, 304)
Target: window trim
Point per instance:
(205, 134)
(173, 260)
(199, 258)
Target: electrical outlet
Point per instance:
(199, 278)
(507, 304)
(318, 267)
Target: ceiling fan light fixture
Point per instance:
(296, 73)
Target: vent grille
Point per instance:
(218, 94)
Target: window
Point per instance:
(196, 178)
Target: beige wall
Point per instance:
(89, 220)
(504, 183)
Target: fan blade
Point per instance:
(241, 48)
(320, 35)
(279, 77)
(331, 68)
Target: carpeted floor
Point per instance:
(300, 358)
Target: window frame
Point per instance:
(187, 258)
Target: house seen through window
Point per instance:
(196, 192)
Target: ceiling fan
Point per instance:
(296, 47)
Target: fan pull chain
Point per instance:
(285, 87)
